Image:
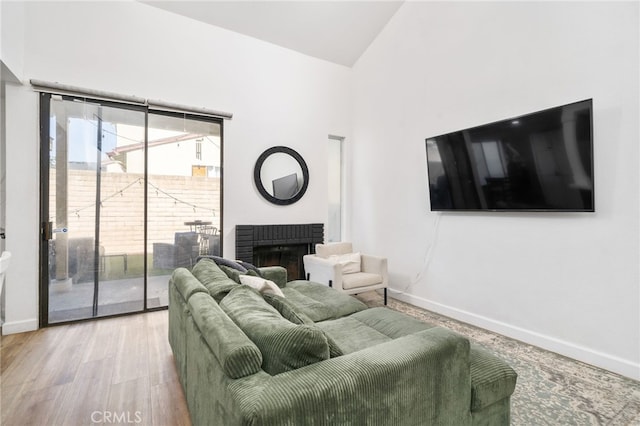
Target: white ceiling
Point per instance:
(337, 31)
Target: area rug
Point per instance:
(551, 389)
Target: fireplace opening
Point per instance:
(288, 256)
(278, 245)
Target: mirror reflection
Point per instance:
(281, 175)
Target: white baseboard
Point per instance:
(599, 359)
(15, 327)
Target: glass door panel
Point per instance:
(184, 196)
(334, 173)
(95, 209)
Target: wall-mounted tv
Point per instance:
(541, 161)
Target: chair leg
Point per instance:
(308, 276)
(385, 296)
(330, 283)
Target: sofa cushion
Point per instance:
(360, 279)
(238, 356)
(391, 323)
(491, 378)
(186, 283)
(213, 278)
(288, 311)
(351, 335)
(370, 327)
(320, 302)
(285, 346)
(315, 310)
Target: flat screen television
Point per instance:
(285, 187)
(541, 161)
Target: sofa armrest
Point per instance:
(277, 274)
(375, 265)
(422, 378)
(321, 270)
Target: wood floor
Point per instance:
(111, 371)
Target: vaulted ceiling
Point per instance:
(336, 31)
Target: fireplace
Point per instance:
(288, 256)
(283, 245)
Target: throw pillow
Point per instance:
(260, 284)
(226, 262)
(288, 311)
(212, 277)
(350, 262)
(284, 346)
(234, 274)
(249, 267)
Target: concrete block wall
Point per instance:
(172, 201)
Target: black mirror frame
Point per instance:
(258, 181)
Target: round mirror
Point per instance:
(281, 175)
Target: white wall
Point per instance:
(12, 31)
(277, 96)
(22, 222)
(567, 282)
(11, 68)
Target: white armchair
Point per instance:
(338, 266)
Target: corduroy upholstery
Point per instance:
(182, 286)
(287, 309)
(213, 278)
(236, 353)
(187, 284)
(234, 274)
(276, 274)
(289, 312)
(284, 345)
(390, 323)
(352, 335)
(391, 368)
(320, 302)
(491, 378)
(418, 380)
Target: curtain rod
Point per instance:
(168, 106)
(65, 89)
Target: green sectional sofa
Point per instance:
(320, 357)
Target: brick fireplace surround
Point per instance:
(284, 245)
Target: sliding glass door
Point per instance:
(184, 195)
(127, 196)
(94, 208)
